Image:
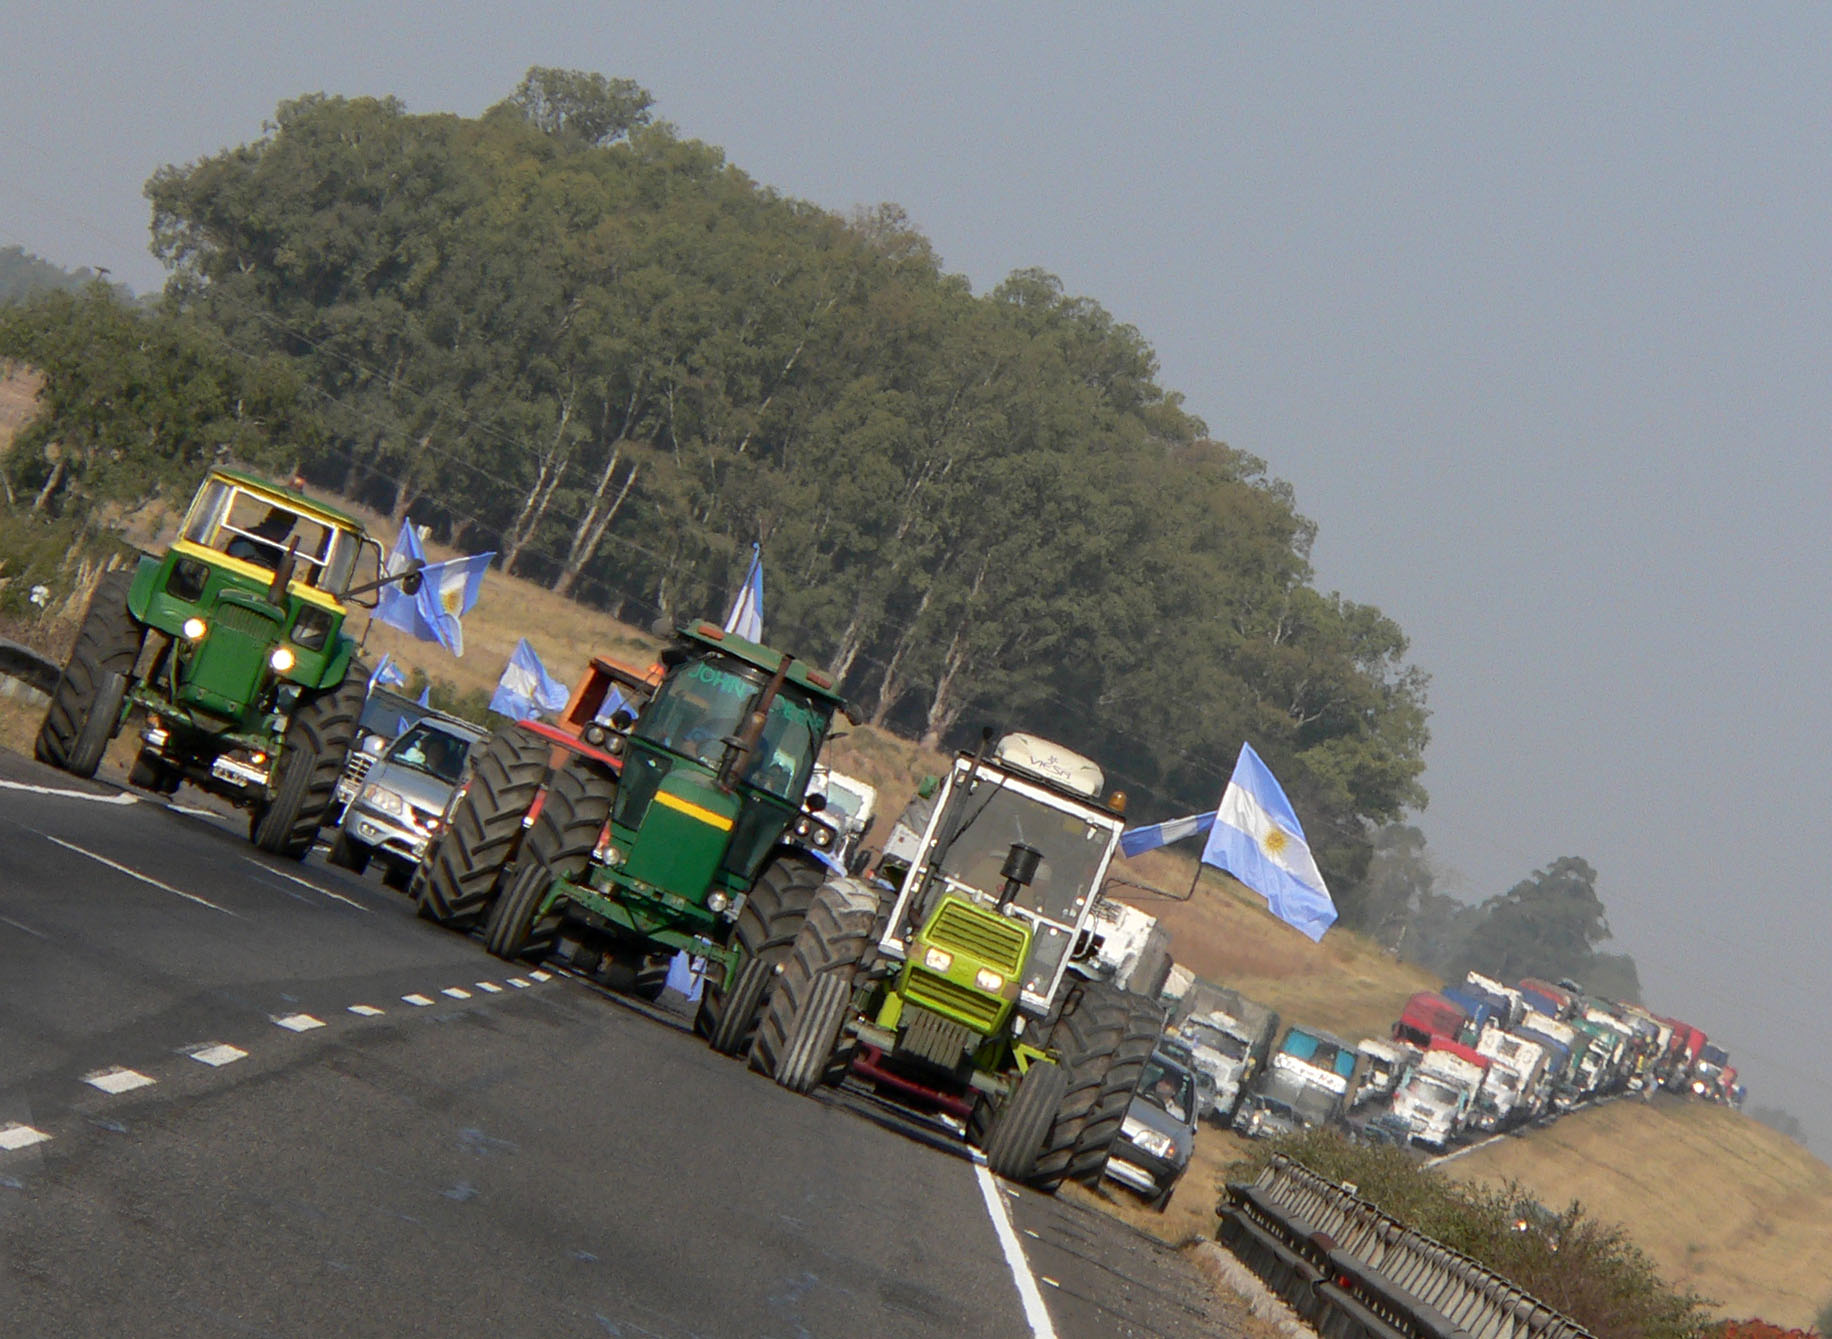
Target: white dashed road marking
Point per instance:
(70, 794)
(14, 1136)
(540, 976)
(367, 1010)
(518, 983)
(218, 1054)
(18, 925)
(489, 988)
(144, 878)
(456, 992)
(120, 1079)
(298, 1022)
(418, 1001)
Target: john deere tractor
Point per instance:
(233, 645)
(969, 987)
(689, 842)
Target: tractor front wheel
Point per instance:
(772, 917)
(463, 874)
(86, 703)
(1014, 1139)
(800, 1042)
(558, 846)
(1104, 1036)
(312, 757)
(346, 854)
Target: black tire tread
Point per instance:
(462, 877)
(1104, 1037)
(773, 914)
(836, 939)
(559, 845)
(109, 640)
(1015, 1136)
(317, 744)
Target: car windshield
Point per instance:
(841, 799)
(993, 818)
(1438, 1094)
(1214, 1039)
(1168, 1088)
(426, 748)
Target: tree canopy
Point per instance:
(564, 331)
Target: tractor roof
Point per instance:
(290, 497)
(801, 673)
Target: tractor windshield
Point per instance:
(992, 818)
(707, 701)
(259, 528)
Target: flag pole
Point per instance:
(1195, 879)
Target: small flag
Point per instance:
(387, 673)
(449, 591)
(526, 689)
(746, 617)
(1137, 841)
(426, 697)
(1258, 839)
(394, 606)
(614, 702)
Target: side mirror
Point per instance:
(621, 719)
(411, 583)
(815, 803)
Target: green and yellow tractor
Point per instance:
(966, 983)
(232, 643)
(694, 838)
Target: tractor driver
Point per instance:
(265, 542)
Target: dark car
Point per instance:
(1159, 1132)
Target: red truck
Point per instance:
(1427, 1017)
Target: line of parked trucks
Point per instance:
(1475, 1058)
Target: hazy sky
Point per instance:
(1529, 303)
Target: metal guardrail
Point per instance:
(1353, 1272)
(28, 666)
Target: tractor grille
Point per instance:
(940, 1041)
(992, 939)
(975, 1009)
(263, 627)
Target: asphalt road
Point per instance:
(240, 1096)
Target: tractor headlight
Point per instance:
(281, 658)
(717, 901)
(938, 959)
(989, 980)
(385, 800)
(823, 835)
(194, 628)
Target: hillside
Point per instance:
(1723, 1204)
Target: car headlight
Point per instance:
(385, 800)
(987, 979)
(938, 959)
(1142, 1136)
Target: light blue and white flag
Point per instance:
(1258, 839)
(387, 673)
(426, 696)
(614, 702)
(746, 617)
(1137, 841)
(394, 606)
(449, 591)
(526, 689)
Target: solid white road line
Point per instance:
(63, 794)
(20, 925)
(306, 883)
(120, 1079)
(14, 1136)
(218, 1054)
(298, 1022)
(136, 874)
(1467, 1148)
(1034, 1310)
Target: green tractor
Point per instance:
(969, 987)
(233, 645)
(696, 840)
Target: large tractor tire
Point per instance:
(800, 1041)
(1015, 1137)
(1104, 1036)
(312, 757)
(151, 772)
(86, 703)
(559, 845)
(772, 917)
(462, 877)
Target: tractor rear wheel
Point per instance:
(772, 917)
(799, 1038)
(463, 876)
(312, 757)
(86, 703)
(1104, 1036)
(559, 845)
(1014, 1138)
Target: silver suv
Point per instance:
(398, 806)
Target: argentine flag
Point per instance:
(450, 589)
(526, 689)
(746, 617)
(1258, 839)
(1137, 841)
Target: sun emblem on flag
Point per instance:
(1275, 841)
(452, 600)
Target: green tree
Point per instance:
(587, 109)
(1547, 925)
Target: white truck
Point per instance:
(1222, 1047)
(852, 808)
(1437, 1099)
(1384, 1066)
(1131, 949)
(1520, 1081)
